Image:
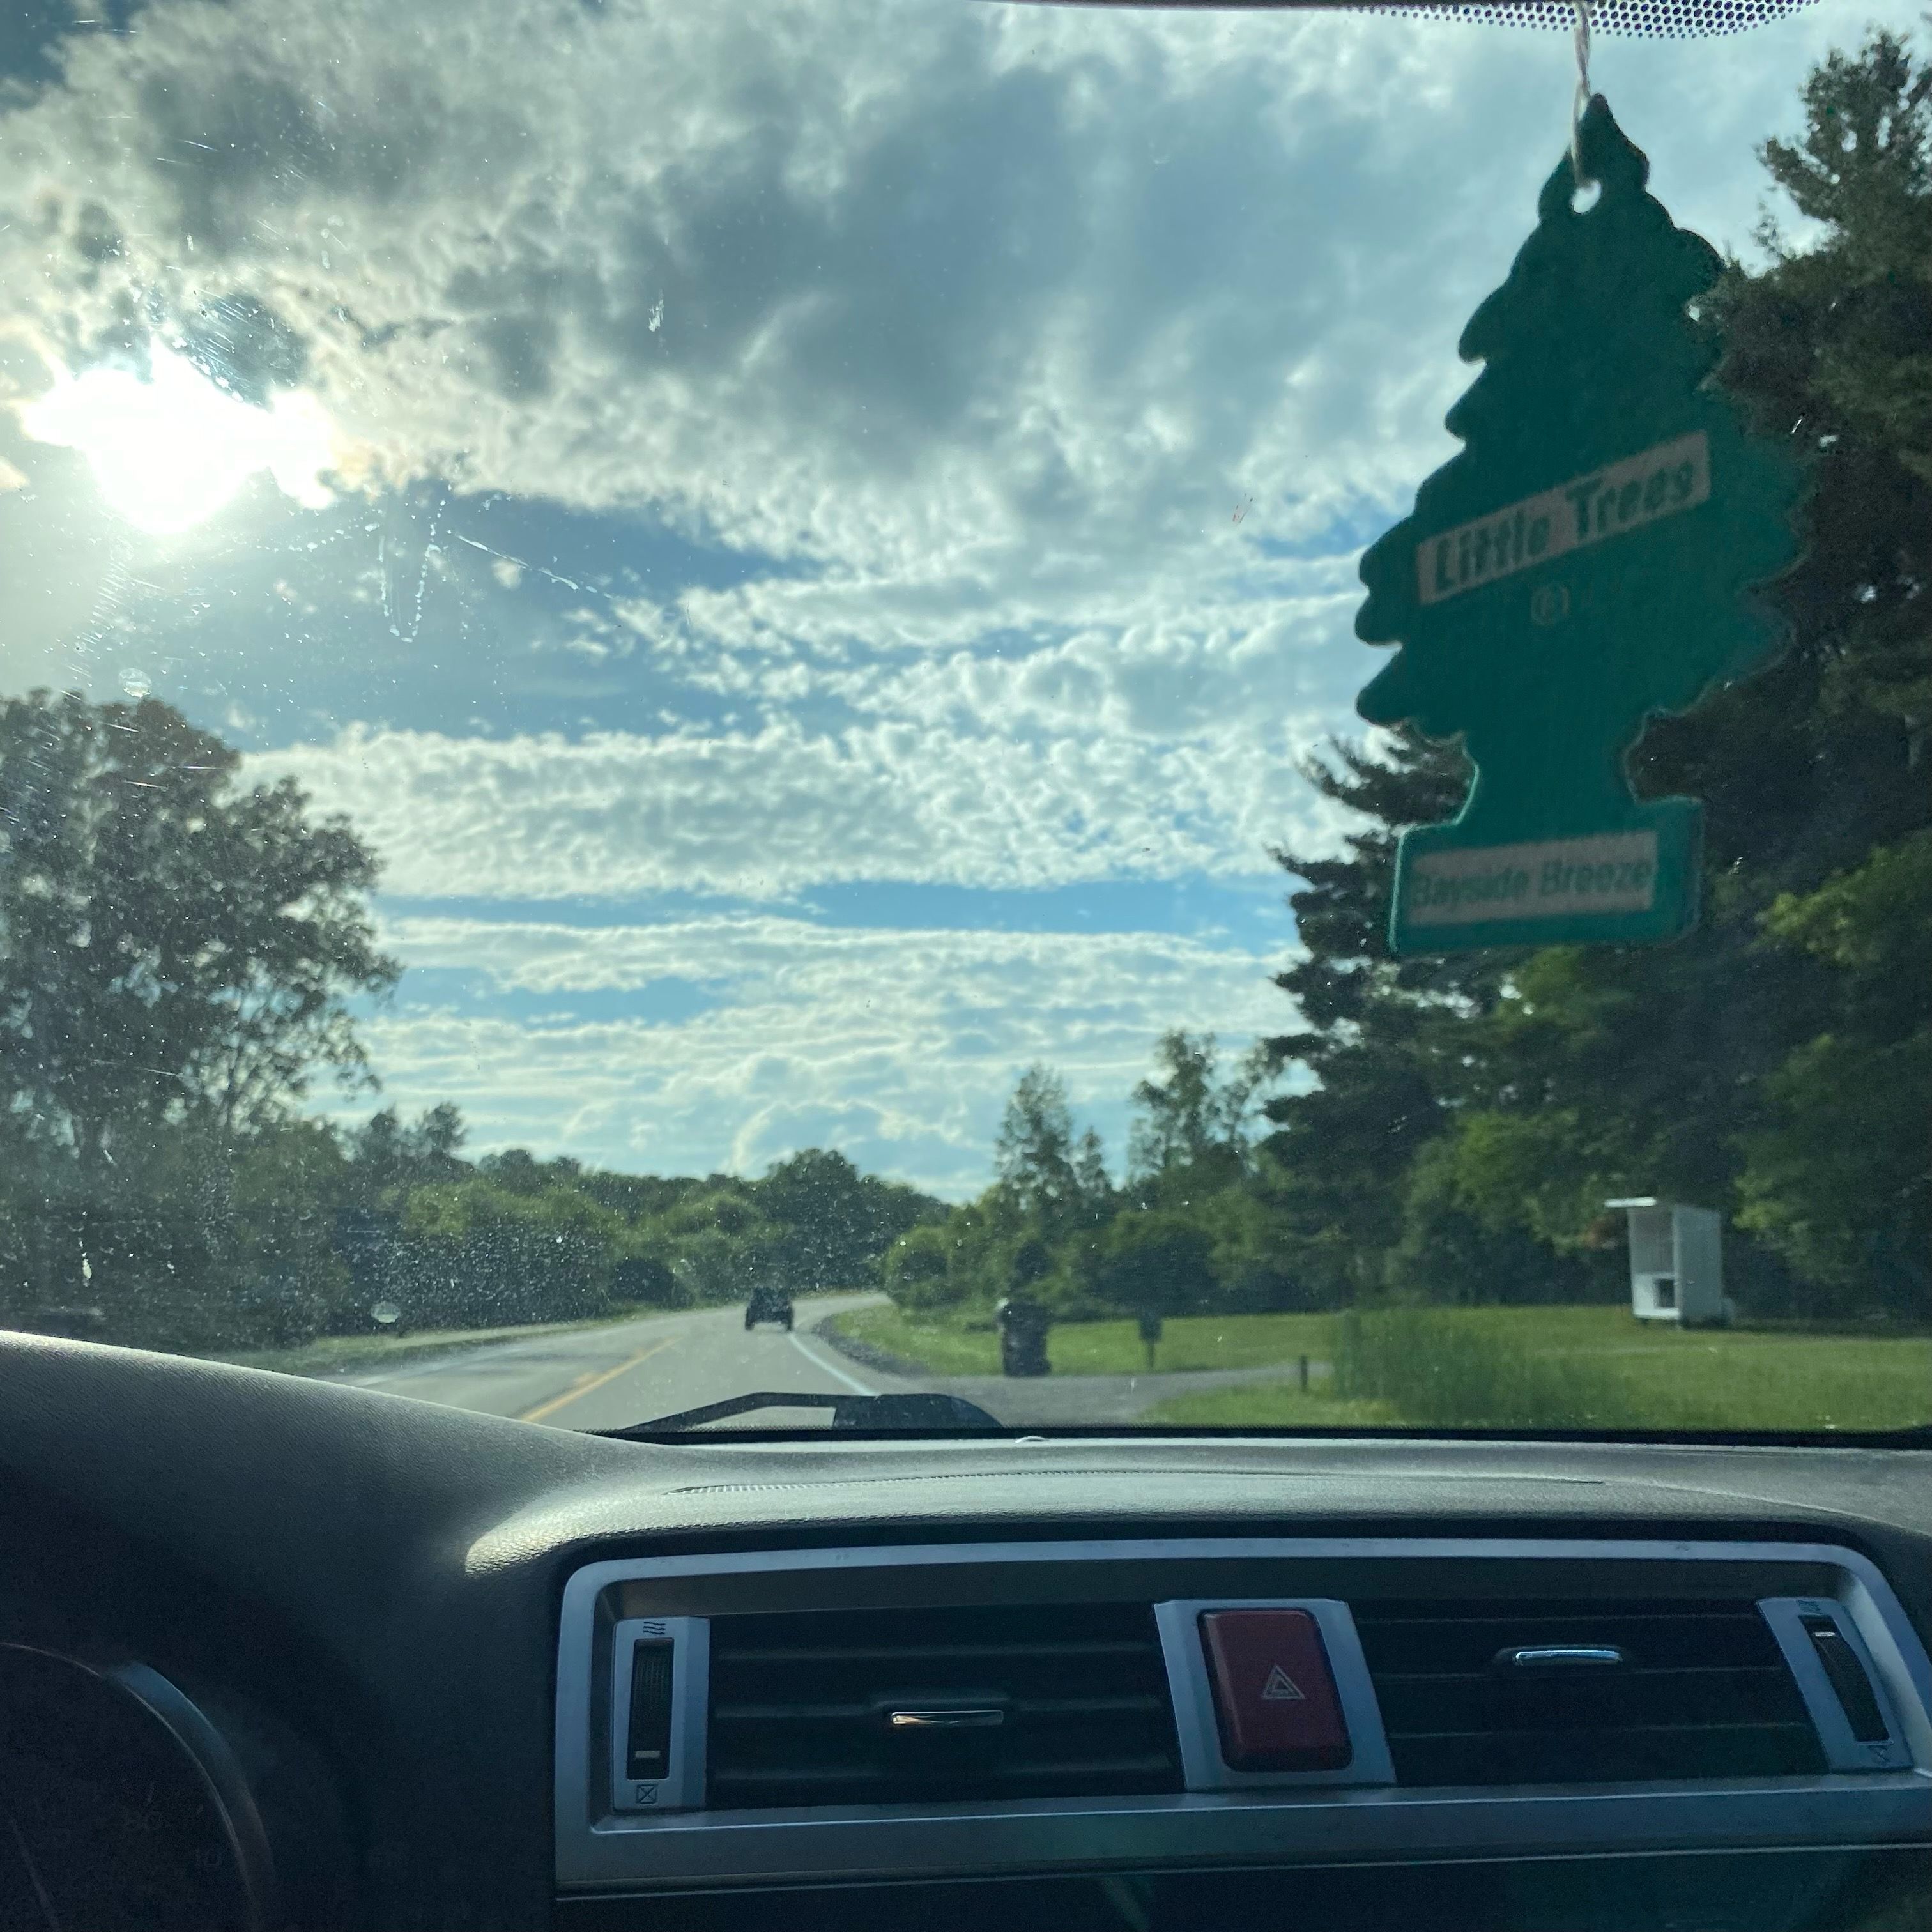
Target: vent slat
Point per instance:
(798, 1704)
(1706, 1693)
(826, 1777)
(1622, 1731)
(790, 1713)
(1781, 1751)
(1074, 1707)
(1416, 1704)
(863, 1714)
(923, 1653)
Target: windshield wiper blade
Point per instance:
(919, 1410)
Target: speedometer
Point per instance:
(121, 1806)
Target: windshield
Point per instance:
(703, 701)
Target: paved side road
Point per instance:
(632, 1371)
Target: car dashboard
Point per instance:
(275, 1653)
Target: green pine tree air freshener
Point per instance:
(1583, 562)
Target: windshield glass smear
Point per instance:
(678, 714)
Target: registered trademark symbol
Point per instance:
(1550, 604)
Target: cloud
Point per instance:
(767, 813)
(899, 1046)
(965, 315)
(812, 444)
(881, 284)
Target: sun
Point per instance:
(169, 452)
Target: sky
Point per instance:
(811, 536)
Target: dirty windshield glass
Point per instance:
(700, 701)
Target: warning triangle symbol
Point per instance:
(1281, 1688)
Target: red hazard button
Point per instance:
(1273, 1692)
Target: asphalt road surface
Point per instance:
(627, 1372)
(633, 1371)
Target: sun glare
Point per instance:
(167, 453)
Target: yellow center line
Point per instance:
(584, 1386)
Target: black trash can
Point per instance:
(1023, 1327)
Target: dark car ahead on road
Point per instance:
(768, 1303)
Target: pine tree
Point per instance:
(1338, 1160)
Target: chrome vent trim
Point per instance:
(1845, 1749)
(599, 1849)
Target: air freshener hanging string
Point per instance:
(1579, 38)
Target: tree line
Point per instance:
(1186, 1230)
(284, 1229)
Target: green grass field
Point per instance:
(1098, 1348)
(1590, 1367)
(1594, 1367)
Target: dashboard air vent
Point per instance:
(837, 1707)
(1568, 1692)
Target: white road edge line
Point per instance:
(818, 1361)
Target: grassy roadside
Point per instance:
(1096, 1347)
(1592, 1367)
(1556, 1368)
(917, 1348)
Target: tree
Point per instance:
(478, 1255)
(1694, 1069)
(1833, 338)
(1091, 1180)
(1258, 1264)
(642, 1274)
(917, 1273)
(1191, 1128)
(1152, 1263)
(1838, 1179)
(170, 947)
(291, 1281)
(718, 1243)
(439, 1136)
(1033, 1155)
(964, 1261)
(834, 1222)
(1376, 1075)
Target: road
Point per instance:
(626, 1372)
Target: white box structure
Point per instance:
(1676, 1261)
